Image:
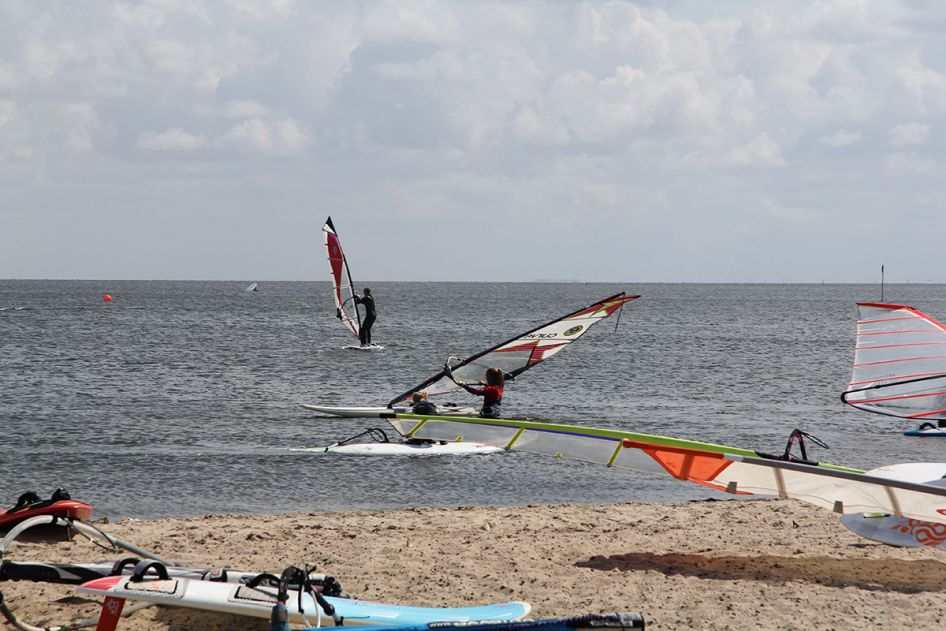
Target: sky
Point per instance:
(474, 141)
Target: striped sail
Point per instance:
(516, 355)
(899, 363)
(733, 470)
(342, 289)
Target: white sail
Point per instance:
(899, 363)
(516, 355)
(840, 489)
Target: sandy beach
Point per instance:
(706, 564)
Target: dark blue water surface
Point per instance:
(180, 398)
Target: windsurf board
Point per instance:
(376, 412)
(404, 449)
(258, 602)
(624, 621)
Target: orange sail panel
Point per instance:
(700, 467)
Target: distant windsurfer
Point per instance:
(370, 314)
(492, 390)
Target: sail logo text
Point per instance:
(533, 336)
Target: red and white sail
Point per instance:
(516, 355)
(899, 363)
(342, 286)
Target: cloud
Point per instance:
(171, 140)
(796, 216)
(260, 136)
(911, 164)
(243, 109)
(842, 138)
(540, 116)
(909, 134)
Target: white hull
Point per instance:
(897, 531)
(376, 412)
(403, 449)
(366, 349)
(258, 603)
(902, 531)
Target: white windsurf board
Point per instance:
(258, 602)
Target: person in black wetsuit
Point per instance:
(370, 315)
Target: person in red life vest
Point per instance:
(492, 391)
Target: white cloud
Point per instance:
(797, 216)
(256, 135)
(421, 21)
(911, 164)
(607, 110)
(842, 138)
(909, 134)
(171, 140)
(243, 109)
(171, 56)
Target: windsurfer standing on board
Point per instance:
(492, 392)
(370, 315)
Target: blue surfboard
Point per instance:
(626, 620)
(926, 430)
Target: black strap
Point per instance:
(121, 564)
(146, 565)
(267, 579)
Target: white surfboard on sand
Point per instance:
(902, 531)
(258, 602)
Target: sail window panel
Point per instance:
(571, 446)
(899, 346)
(895, 324)
(926, 399)
(441, 387)
(475, 371)
(898, 371)
(497, 435)
(403, 426)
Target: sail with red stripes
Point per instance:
(342, 286)
(899, 363)
(516, 355)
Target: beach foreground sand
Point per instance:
(708, 564)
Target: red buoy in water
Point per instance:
(107, 297)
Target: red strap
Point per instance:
(111, 613)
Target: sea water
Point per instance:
(180, 398)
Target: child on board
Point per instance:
(370, 314)
(420, 404)
(492, 392)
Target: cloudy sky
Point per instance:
(593, 141)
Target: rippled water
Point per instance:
(179, 398)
